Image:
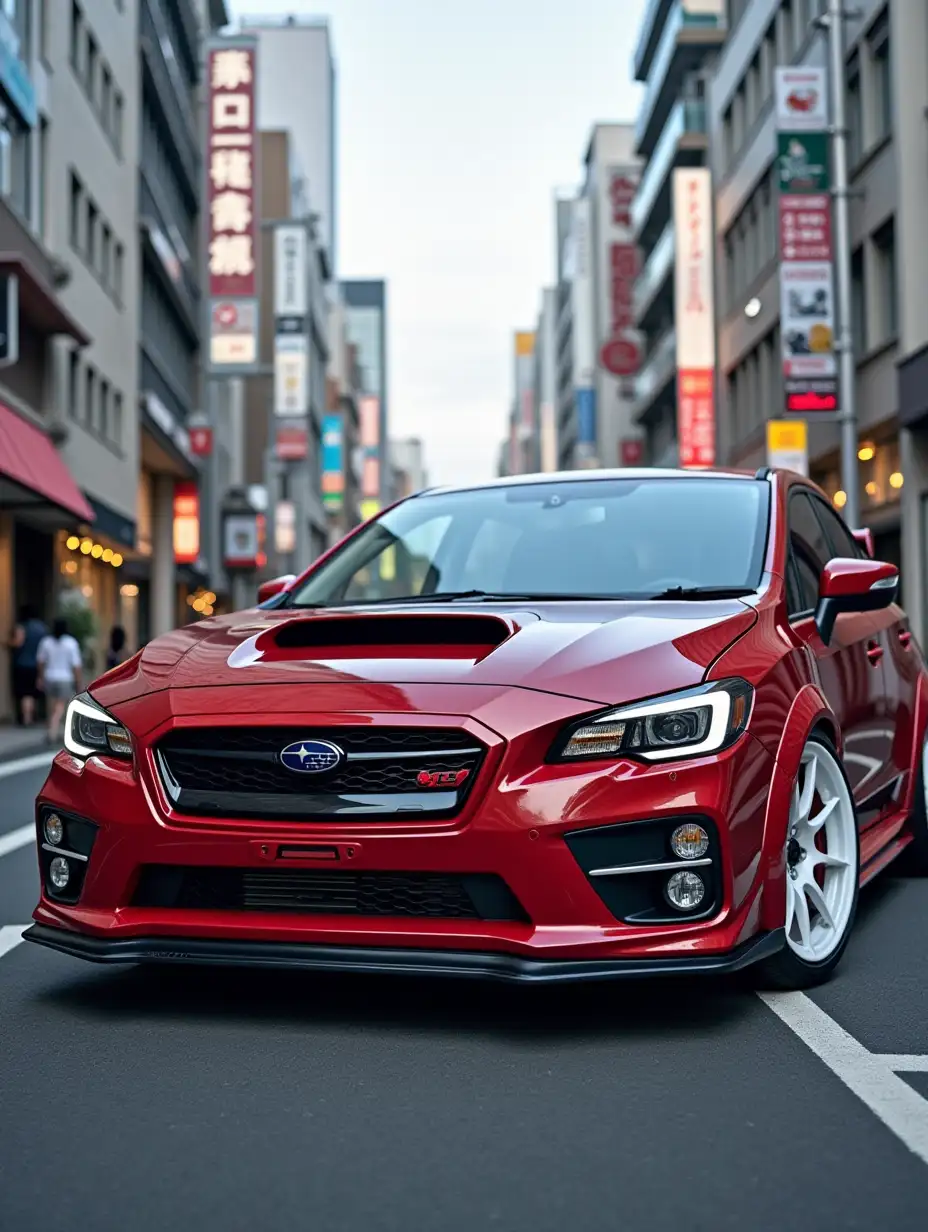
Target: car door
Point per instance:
(900, 666)
(850, 667)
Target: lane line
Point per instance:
(8, 768)
(903, 1063)
(10, 937)
(898, 1106)
(16, 839)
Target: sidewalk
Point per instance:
(21, 741)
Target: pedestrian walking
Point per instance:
(59, 659)
(24, 644)
(116, 653)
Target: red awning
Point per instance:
(30, 460)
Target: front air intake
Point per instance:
(316, 632)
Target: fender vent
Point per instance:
(406, 630)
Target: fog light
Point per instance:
(689, 841)
(685, 891)
(59, 872)
(54, 830)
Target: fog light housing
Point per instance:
(59, 872)
(685, 891)
(54, 830)
(689, 841)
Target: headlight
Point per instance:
(89, 729)
(688, 724)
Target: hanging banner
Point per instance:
(807, 301)
(231, 226)
(333, 462)
(291, 374)
(694, 316)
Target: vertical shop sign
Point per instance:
(807, 314)
(695, 317)
(231, 226)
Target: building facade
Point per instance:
(564, 397)
(545, 377)
(407, 461)
(889, 310)
(678, 43)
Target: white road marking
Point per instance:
(898, 1106)
(904, 1064)
(10, 937)
(8, 768)
(16, 839)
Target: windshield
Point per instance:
(615, 538)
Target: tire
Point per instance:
(819, 917)
(915, 858)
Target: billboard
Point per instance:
(369, 416)
(333, 462)
(231, 227)
(694, 316)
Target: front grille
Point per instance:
(438, 896)
(237, 772)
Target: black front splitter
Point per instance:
(455, 963)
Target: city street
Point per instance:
(242, 1100)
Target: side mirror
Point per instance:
(267, 590)
(853, 586)
(865, 539)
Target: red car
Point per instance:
(550, 728)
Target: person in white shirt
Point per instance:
(60, 667)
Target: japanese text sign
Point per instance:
(230, 161)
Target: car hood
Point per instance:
(597, 652)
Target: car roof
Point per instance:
(585, 476)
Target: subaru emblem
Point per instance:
(311, 756)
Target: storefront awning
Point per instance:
(29, 460)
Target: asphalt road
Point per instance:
(216, 1100)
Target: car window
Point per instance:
(601, 537)
(842, 541)
(809, 549)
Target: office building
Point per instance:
(407, 462)
(678, 43)
(886, 100)
(545, 380)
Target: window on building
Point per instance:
(784, 22)
(858, 302)
(118, 262)
(106, 255)
(20, 168)
(77, 30)
(74, 368)
(74, 220)
(90, 396)
(42, 202)
(880, 76)
(41, 21)
(106, 97)
(90, 68)
(117, 419)
(855, 111)
(887, 289)
(118, 109)
(90, 242)
(104, 422)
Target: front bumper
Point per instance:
(379, 961)
(516, 825)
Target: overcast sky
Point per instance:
(458, 119)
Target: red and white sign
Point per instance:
(805, 228)
(621, 194)
(696, 417)
(230, 154)
(621, 353)
(695, 317)
(631, 451)
(186, 523)
(201, 440)
(292, 442)
(801, 99)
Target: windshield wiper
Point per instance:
(695, 593)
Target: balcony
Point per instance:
(656, 377)
(683, 143)
(649, 36)
(687, 40)
(655, 279)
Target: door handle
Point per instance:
(905, 639)
(874, 652)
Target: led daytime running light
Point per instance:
(118, 740)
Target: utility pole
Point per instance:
(834, 21)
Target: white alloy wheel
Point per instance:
(821, 857)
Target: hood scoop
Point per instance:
(390, 636)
